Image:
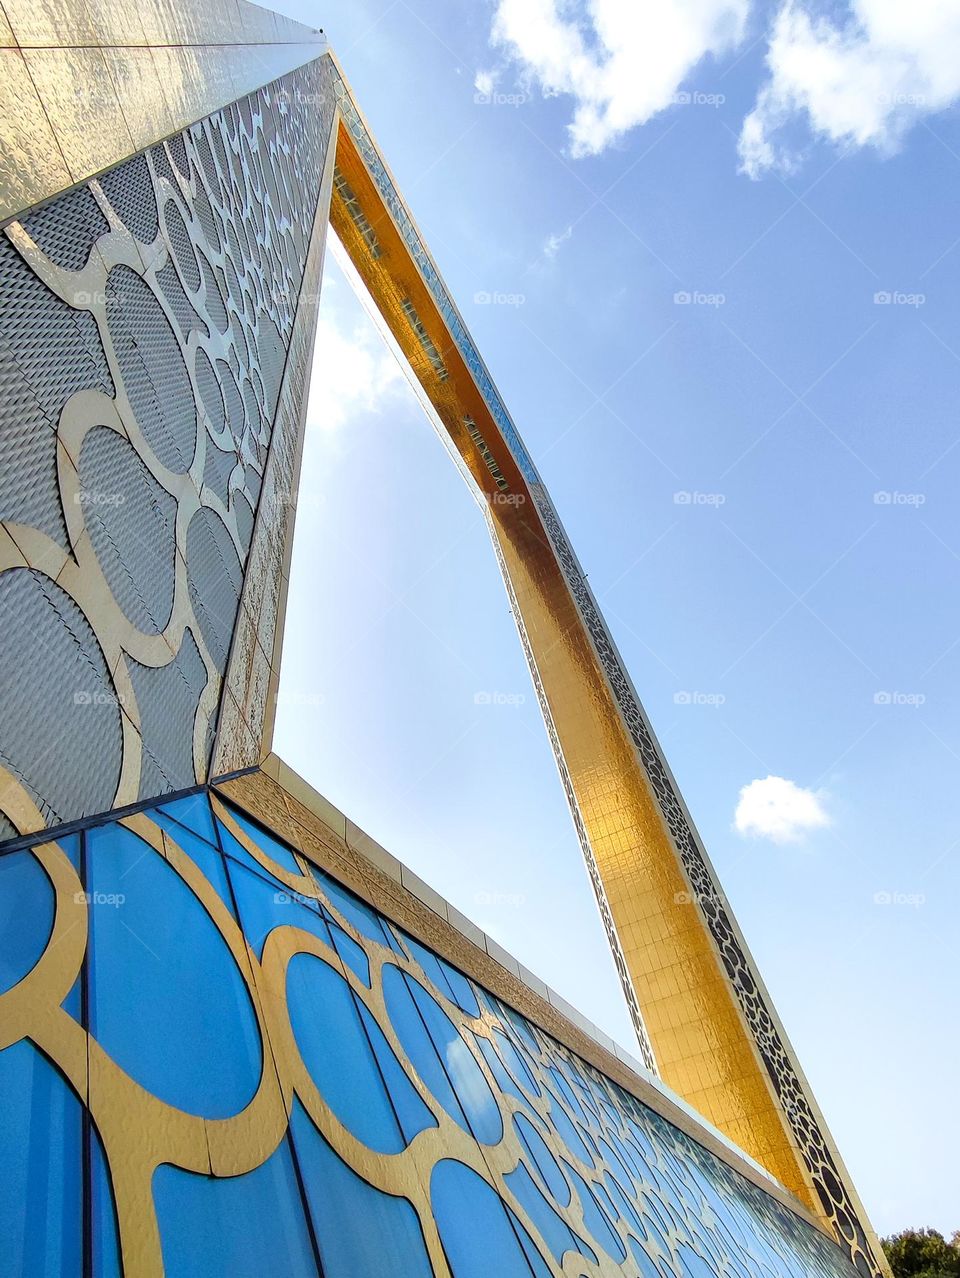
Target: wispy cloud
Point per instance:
(551, 245)
(353, 371)
(620, 62)
(860, 77)
(865, 82)
(780, 810)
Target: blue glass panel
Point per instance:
(616, 1162)
(270, 846)
(361, 1231)
(167, 1000)
(446, 977)
(621, 1204)
(647, 1266)
(412, 1113)
(595, 1219)
(553, 1229)
(568, 1132)
(40, 1160)
(333, 1043)
(234, 1227)
(265, 904)
(351, 953)
(440, 1056)
(542, 1159)
(523, 1030)
(567, 1092)
(27, 904)
(195, 813)
(479, 1237)
(464, 994)
(357, 913)
(105, 1240)
(207, 859)
(692, 1265)
(500, 1076)
(515, 1063)
(235, 851)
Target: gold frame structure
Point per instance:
(704, 1021)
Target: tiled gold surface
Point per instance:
(31, 162)
(83, 85)
(704, 1048)
(701, 1047)
(81, 103)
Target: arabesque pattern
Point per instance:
(267, 1061)
(145, 319)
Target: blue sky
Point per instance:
(733, 350)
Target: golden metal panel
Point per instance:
(82, 106)
(31, 164)
(7, 40)
(704, 1046)
(140, 91)
(43, 23)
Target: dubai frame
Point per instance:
(236, 1035)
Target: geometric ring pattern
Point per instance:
(219, 1056)
(145, 319)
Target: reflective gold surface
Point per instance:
(703, 1047)
(85, 85)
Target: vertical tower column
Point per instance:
(699, 1005)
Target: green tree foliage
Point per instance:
(923, 1253)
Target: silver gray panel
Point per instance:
(144, 325)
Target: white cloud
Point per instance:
(621, 61)
(551, 245)
(777, 809)
(484, 82)
(353, 371)
(864, 83)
